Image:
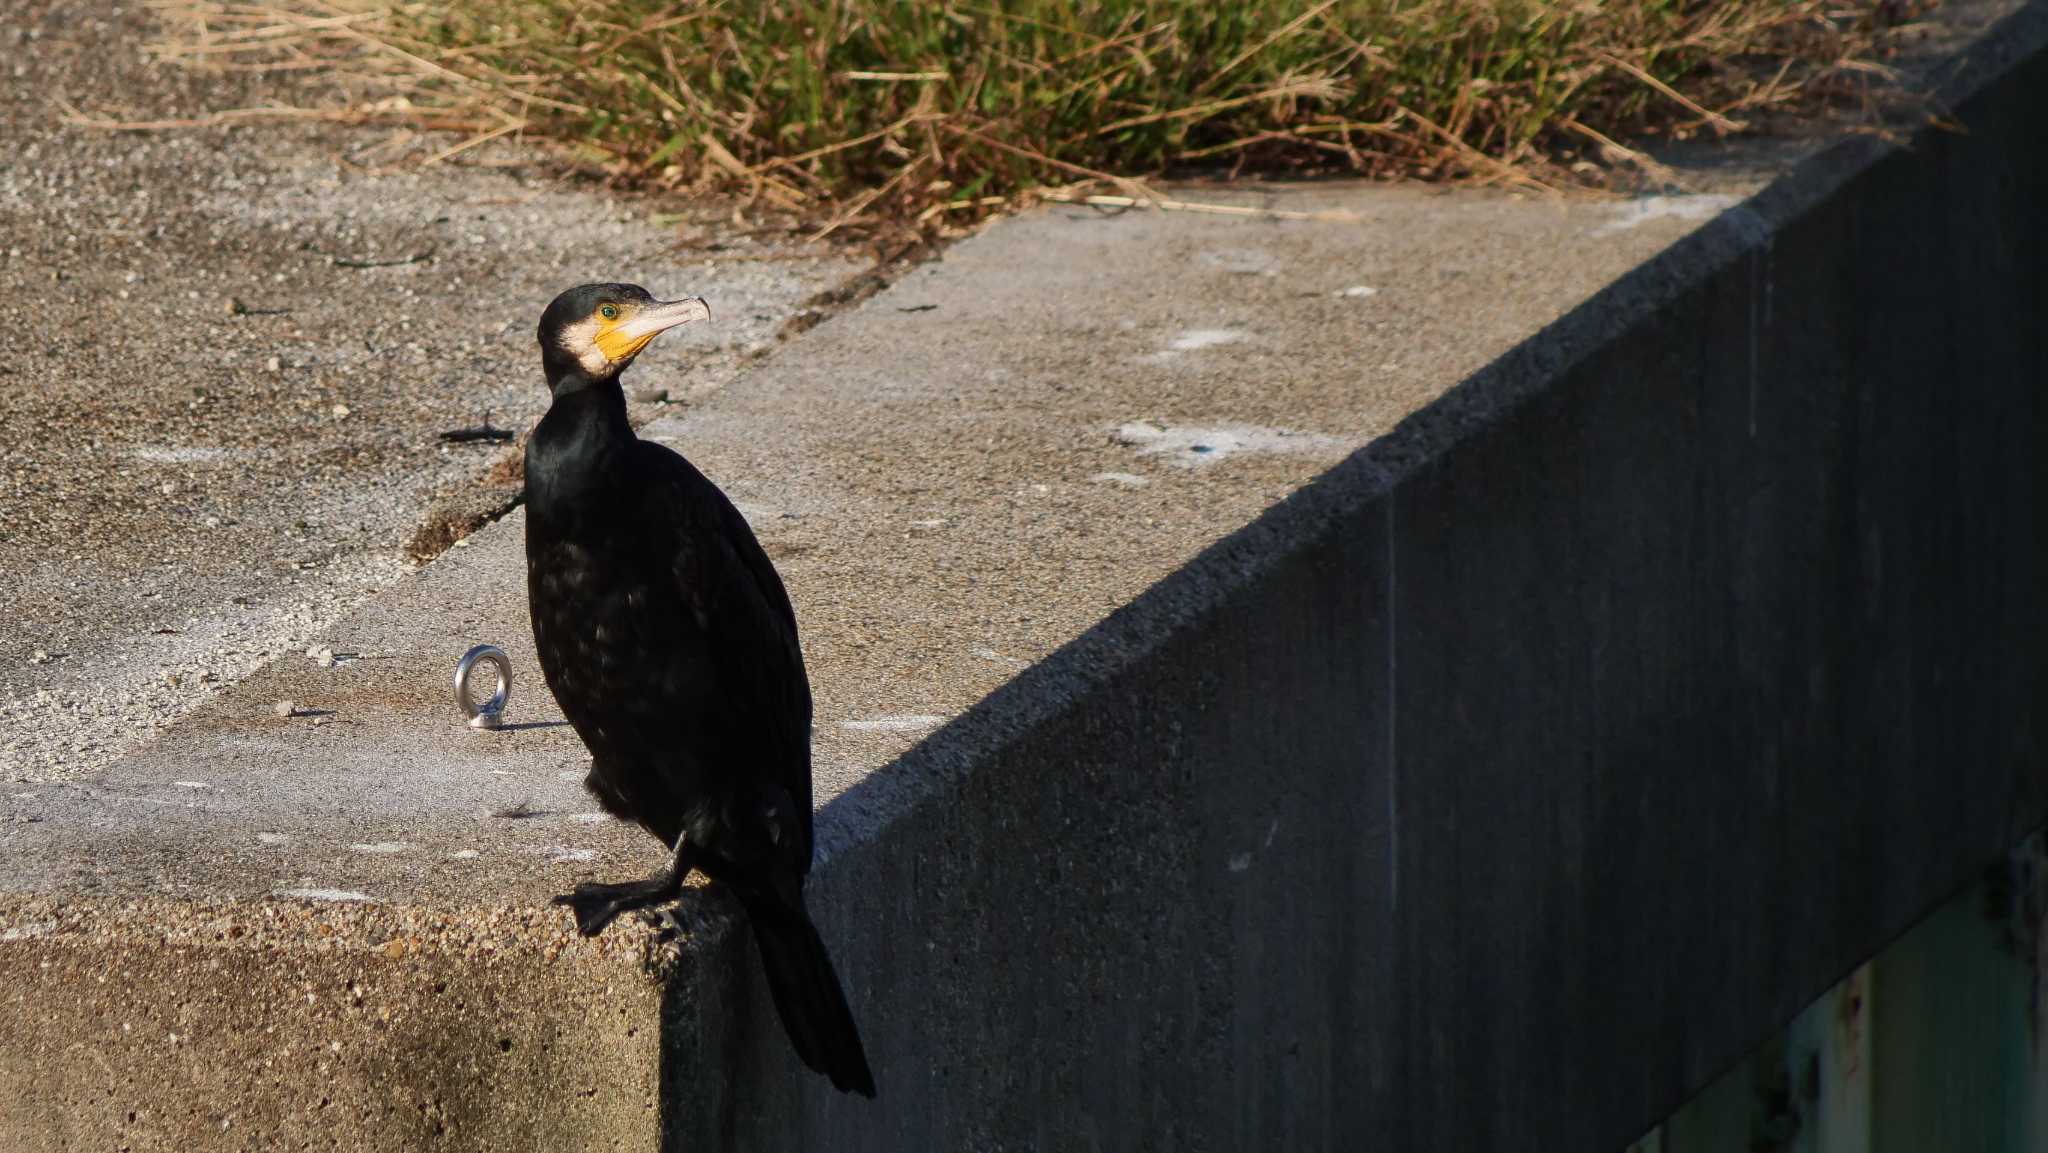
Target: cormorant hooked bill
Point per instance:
(666, 637)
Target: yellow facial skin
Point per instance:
(617, 337)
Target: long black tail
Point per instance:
(807, 994)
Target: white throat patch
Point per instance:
(580, 341)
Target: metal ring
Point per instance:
(490, 714)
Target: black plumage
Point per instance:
(670, 644)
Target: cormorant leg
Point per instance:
(595, 905)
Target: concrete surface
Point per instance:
(188, 493)
(1230, 734)
(957, 479)
(944, 514)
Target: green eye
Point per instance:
(609, 312)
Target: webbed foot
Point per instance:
(596, 905)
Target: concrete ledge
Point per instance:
(280, 1031)
(1499, 787)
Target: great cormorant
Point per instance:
(669, 642)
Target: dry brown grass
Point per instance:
(870, 114)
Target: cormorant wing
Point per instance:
(747, 656)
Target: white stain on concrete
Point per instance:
(561, 855)
(1360, 291)
(1239, 862)
(464, 855)
(381, 848)
(1636, 213)
(1194, 447)
(181, 454)
(24, 931)
(1242, 261)
(273, 839)
(154, 801)
(192, 784)
(904, 723)
(325, 895)
(1120, 479)
(1196, 339)
(592, 818)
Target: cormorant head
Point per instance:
(593, 331)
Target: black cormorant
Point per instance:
(669, 642)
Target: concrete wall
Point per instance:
(1504, 787)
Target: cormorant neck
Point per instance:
(601, 401)
(574, 460)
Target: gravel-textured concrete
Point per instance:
(188, 491)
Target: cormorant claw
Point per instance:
(596, 905)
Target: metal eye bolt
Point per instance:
(490, 714)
